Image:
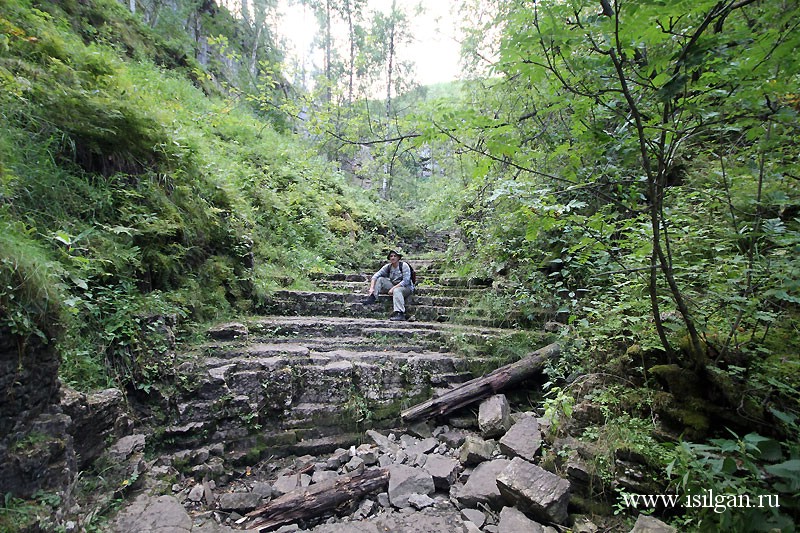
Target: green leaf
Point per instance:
(786, 418)
(63, 237)
(661, 79)
(79, 282)
(788, 470)
(768, 449)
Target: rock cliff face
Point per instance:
(36, 449)
(28, 379)
(48, 432)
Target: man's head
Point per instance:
(393, 257)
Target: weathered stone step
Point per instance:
(488, 322)
(421, 266)
(287, 325)
(307, 303)
(414, 312)
(277, 355)
(352, 277)
(422, 289)
(401, 341)
(305, 326)
(310, 298)
(461, 314)
(465, 282)
(231, 394)
(431, 278)
(319, 337)
(321, 332)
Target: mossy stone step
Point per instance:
(412, 340)
(307, 303)
(421, 289)
(287, 325)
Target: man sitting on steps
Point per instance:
(393, 278)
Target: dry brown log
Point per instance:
(484, 386)
(316, 500)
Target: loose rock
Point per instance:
(475, 516)
(475, 450)
(241, 502)
(648, 524)
(523, 439)
(481, 487)
(149, 514)
(513, 520)
(494, 416)
(443, 470)
(534, 490)
(405, 481)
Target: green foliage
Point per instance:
(751, 467)
(30, 284)
(573, 191)
(140, 206)
(358, 408)
(486, 354)
(17, 514)
(557, 406)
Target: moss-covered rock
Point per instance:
(681, 382)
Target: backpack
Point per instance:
(413, 272)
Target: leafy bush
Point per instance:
(757, 470)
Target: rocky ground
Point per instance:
(279, 418)
(485, 477)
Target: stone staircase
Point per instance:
(437, 297)
(307, 396)
(320, 367)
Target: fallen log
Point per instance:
(484, 386)
(316, 500)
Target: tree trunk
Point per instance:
(484, 386)
(316, 500)
(352, 35)
(328, 52)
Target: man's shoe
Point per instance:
(397, 315)
(369, 300)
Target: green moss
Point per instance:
(681, 382)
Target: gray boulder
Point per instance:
(523, 439)
(443, 470)
(285, 484)
(535, 491)
(405, 481)
(149, 514)
(421, 447)
(481, 487)
(648, 524)
(475, 516)
(228, 331)
(241, 502)
(514, 521)
(494, 416)
(476, 450)
(420, 501)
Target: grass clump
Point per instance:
(30, 284)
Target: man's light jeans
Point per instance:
(382, 286)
